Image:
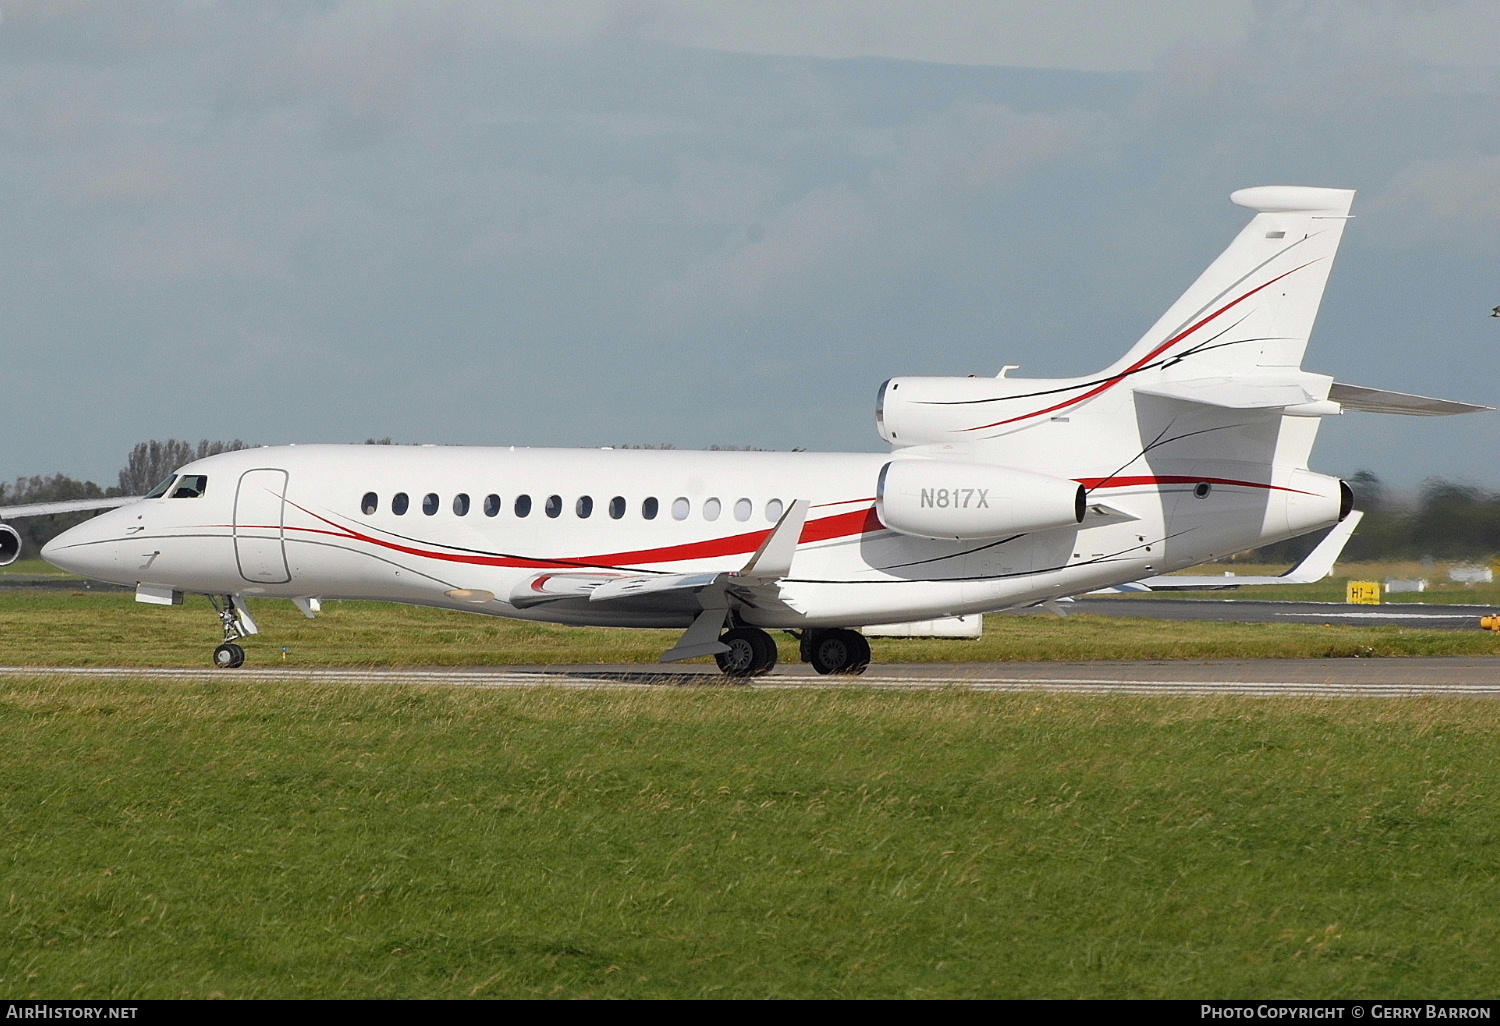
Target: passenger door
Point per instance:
(259, 537)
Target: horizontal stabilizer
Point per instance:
(1378, 400)
(1239, 393)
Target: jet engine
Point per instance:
(958, 501)
(10, 545)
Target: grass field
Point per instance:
(196, 840)
(236, 839)
(53, 628)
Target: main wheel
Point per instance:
(752, 652)
(229, 656)
(839, 651)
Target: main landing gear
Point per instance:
(234, 616)
(836, 651)
(752, 652)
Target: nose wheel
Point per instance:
(234, 617)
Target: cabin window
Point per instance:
(774, 509)
(161, 489)
(491, 505)
(523, 505)
(681, 508)
(430, 503)
(742, 510)
(554, 506)
(617, 507)
(369, 504)
(460, 505)
(711, 509)
(399, 502)
(584, 507)
(190, 486)
(649, 508)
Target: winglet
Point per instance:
(1319, 562)
(774, 557)
(1317, 565)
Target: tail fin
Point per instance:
(1255, 305)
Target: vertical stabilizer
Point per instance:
(1254, 307)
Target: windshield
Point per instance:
(161, 489)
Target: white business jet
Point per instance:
(998, 493)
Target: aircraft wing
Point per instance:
(709, 594)
(1317, 565)
(42, 509)
(753, 584)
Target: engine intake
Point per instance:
(10, 545)
(958, 501)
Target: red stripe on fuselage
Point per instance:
(840, 525)
(1092, 483)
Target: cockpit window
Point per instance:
(162, 488)
(190, 486)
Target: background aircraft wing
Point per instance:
(42, 509)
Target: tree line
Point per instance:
(148, 464)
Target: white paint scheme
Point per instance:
(969, 626)
(1191, 446)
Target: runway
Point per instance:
(1441, 616)
(1460, 677)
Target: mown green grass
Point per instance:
(48, 628)
(244, 840)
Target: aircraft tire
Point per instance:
(839, 651)
(752, 652)
(229, 656)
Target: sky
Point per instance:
(607, 222)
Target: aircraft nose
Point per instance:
(78, 550)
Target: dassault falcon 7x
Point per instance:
(997, 493)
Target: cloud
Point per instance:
(570, 221)
(1455, 201)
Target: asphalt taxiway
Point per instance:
(1443, 616)
(1448, 677)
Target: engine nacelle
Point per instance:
(927, 411)
(958, 501)
(10, 545)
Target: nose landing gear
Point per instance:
(234, 615)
